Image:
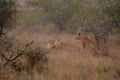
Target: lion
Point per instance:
(56, 42)
(86, 42)
(51, 44)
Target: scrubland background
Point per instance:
(41, 20)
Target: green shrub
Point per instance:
(37, 57)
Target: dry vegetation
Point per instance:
(69, 62)
(39, 41)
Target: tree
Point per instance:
(58, 12)
(100, 19)
(91, 20)
(7, 13)
(111, 9)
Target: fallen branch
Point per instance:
(19, 54)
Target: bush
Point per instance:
(37, 58)
(32, 59)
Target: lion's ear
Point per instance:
(79, 33)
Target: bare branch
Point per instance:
(19, 54)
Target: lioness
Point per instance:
(56, 42)
(86, 42)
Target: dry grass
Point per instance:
(73, 63)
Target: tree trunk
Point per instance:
(97, 41)
(105, 47)
(1, 30)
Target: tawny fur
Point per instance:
(85, 41)
(56, 42)
(51, 44)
